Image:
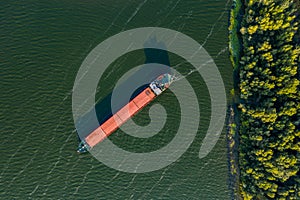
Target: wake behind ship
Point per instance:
(154, 89)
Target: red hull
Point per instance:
(114, 122)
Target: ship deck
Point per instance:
(115, 121)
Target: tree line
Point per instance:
(269, 91)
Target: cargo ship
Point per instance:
(155, 88)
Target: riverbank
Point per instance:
(234, 26)
(232, 146)
(232, 135)
(265, 56)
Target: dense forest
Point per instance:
(267, 62)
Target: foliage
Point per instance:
(234, 42)
(269, 90)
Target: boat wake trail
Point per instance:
(178, 76)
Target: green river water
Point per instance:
(42, 45)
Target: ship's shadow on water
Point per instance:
(154, 56)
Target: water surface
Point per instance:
(42, 45)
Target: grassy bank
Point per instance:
(234, 26)
(232, 145)
(265, 56)
(235, 46)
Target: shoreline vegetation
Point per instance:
(263, 132)
(232, 146)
